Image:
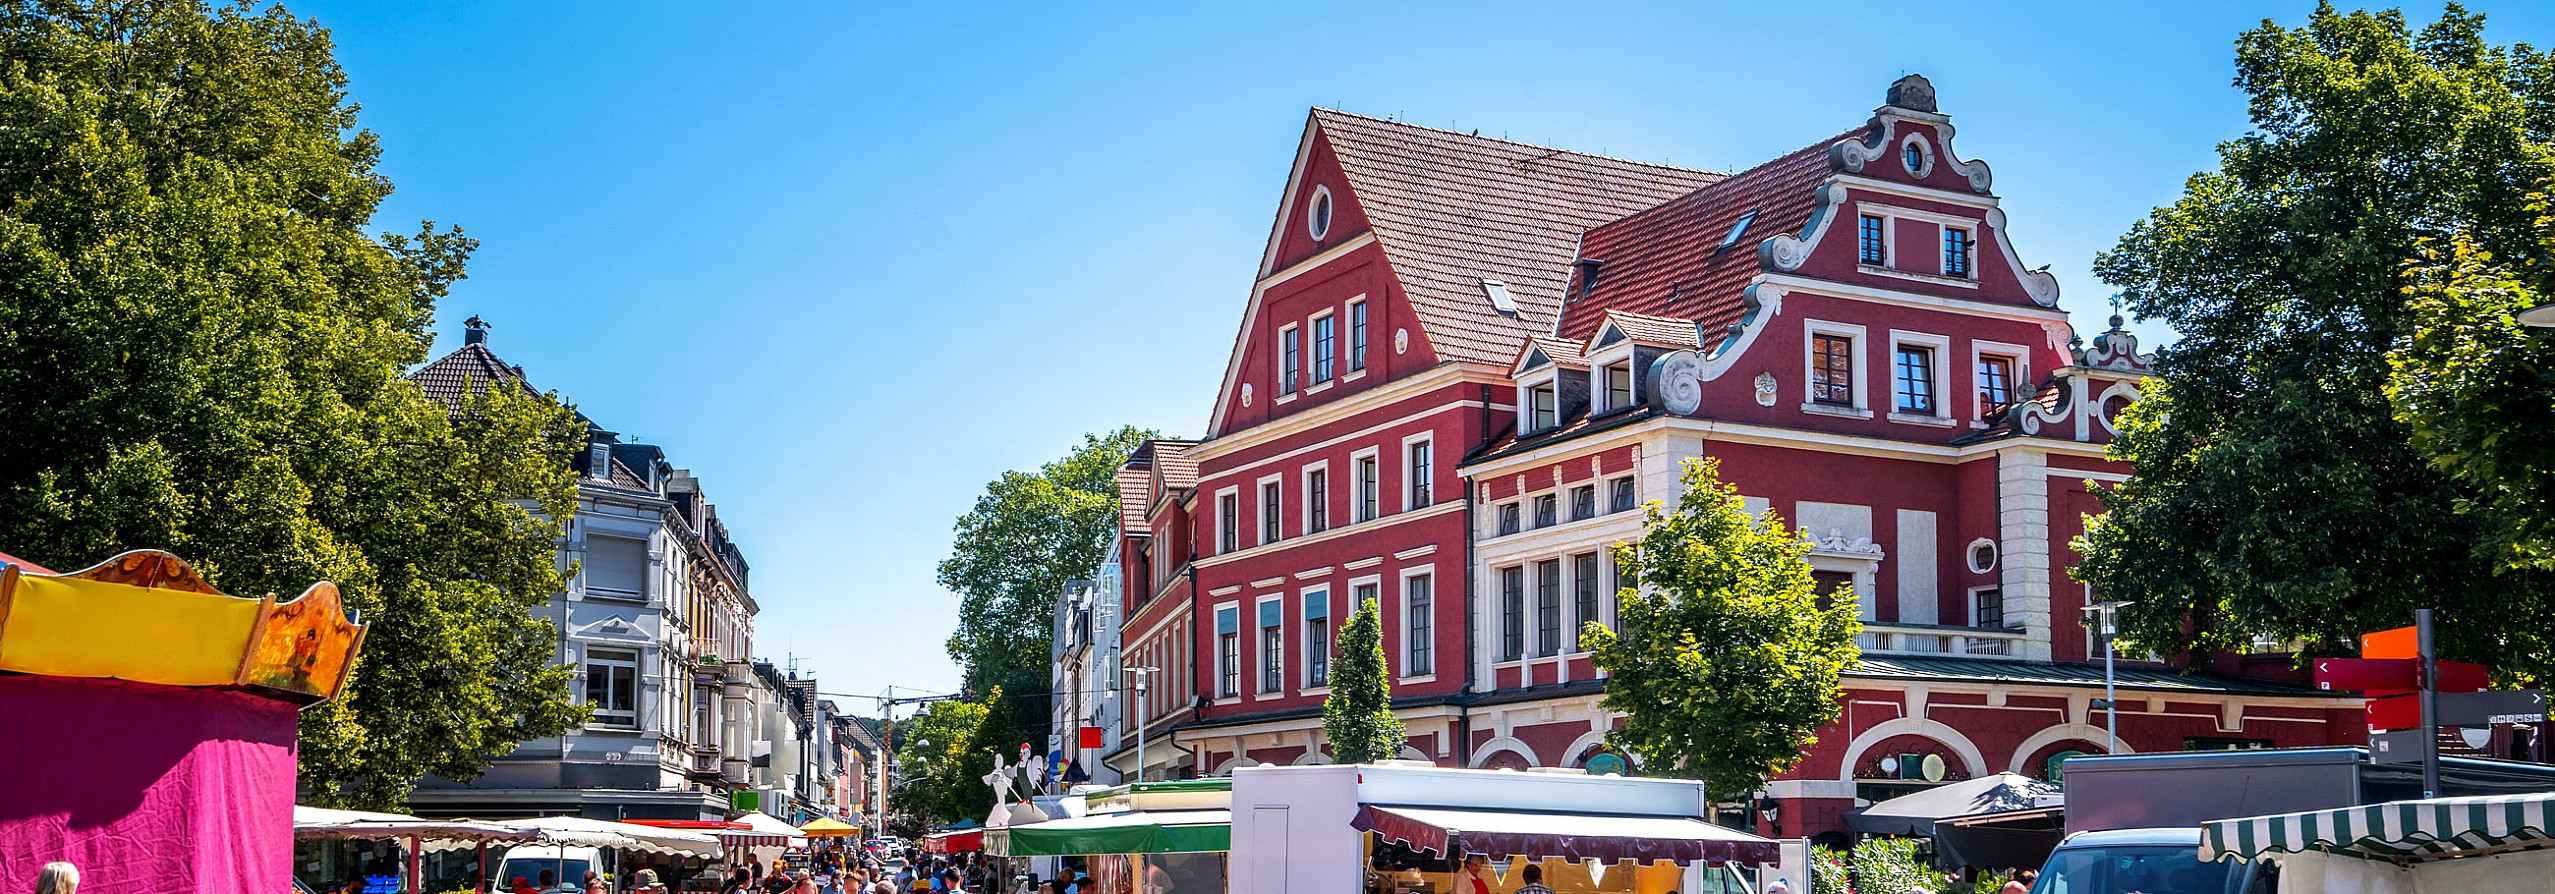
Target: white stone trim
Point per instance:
(1499, 744)
(1936, 730)
(2063, 732)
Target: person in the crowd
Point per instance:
(549, 879)
(1534, 876)
(645, 882)
(739, 881)
(593, 882)
(523, 886)
(2021, 883)
(1474, 878)
(57, 878)
(802, 882)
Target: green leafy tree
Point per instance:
(944, 757)
(2478, 389)
(2275, 491)
(201, 349)
(1027, 536)
(1725, 664)
(1358, 714)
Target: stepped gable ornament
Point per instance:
(1913, 93)
(2116, 349)
(1676, 383)
(148, 617)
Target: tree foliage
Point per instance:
(2477, 389)
(1724, 662)
(2275, 492)
(944, 756)
(1358, 714)
(200, 351)
(1027, 536)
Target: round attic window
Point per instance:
(1916, 156)
(1317, 214)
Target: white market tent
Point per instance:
(577, 830)
(322, 822)
(2499, 843)
(763, 830)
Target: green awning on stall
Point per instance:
(1138, 832)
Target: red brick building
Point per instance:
(1468, 361)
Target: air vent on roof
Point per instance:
(1737, 230)
(1498, 292)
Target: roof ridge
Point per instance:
(1476, 135)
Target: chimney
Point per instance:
(474, 331)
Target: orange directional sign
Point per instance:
(2397, 643)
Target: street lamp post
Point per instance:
(1143, 676)
(2106, 617)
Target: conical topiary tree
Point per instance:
(1358, 714)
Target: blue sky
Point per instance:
(850, 261)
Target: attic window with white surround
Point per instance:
(1317, 214)
(1498, 292)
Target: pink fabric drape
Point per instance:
(148, 789)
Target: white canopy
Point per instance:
(763, 830)
(322, 822)
(585, 832)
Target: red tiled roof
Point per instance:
(1666, 261)
(1563, 351)
(1135, 487)
(465, 372)
(1452, 209)
(1649, 329)
(1178, 470)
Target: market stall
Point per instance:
(192, 791)
(1408, 827)
(954, 841)
(1164, 837)
(1976, 840)
(312, 824)
(2499, 844)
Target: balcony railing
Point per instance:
(1945, 641)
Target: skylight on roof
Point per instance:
(1498, 292)
(1737, 230)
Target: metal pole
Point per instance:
(2111, 692)
(2430, 696)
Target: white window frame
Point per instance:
(1358, 483)
(1941, 349)
(1318, 226)
(1619, 354)
(1218, 645)
(1981, 350)
(1572, 623)
(1889, 238)
(1270, 516)
(647, 565)
(1312, 349)
(1228, 541)
(1526, 421)
(1261, 672)
(1499, 613)
(1410, 474)
(1287, 385)
(1890, 215)
(1943, 264)
(1403, 597)
(1330, 634)
(1811, 330)
(1348, 328)
(1970, 617)
(1304, 493)
(622, 658)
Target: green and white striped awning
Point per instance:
(2397, 831)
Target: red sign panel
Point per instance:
(2461, 676)
(1092, 737)
(2400, 674)
(2395, 712)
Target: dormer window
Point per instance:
(1543, 407)
(1618, 381)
